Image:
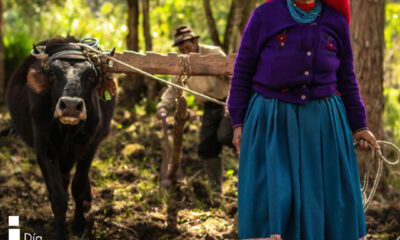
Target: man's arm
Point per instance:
(167, 100)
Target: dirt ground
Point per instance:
(127, 201)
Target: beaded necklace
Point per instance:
(302, 16)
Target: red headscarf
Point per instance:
(341, 6)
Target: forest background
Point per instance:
(148, 25)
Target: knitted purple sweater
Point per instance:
(295, 62)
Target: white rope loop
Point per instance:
(381, 160)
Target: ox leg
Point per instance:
(81, 192)
(58, 197)
(65, 178)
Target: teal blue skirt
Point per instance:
(298, 174)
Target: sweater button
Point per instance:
(306, 73)
(309, 53)
(304, 86)
(303, 97)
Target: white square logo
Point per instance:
(13, 221)
(14, 234)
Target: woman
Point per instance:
(295, 98)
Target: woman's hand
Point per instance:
(237, 138)
(364, 137)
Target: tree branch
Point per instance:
(211, 23)
(229, 27)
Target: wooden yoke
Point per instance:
(170, 64)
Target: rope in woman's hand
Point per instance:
(381, 160)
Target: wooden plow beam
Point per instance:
(172, 63)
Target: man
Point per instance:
(216, 129)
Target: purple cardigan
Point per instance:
(295, 62)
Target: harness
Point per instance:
(47, 54)
(77, 51)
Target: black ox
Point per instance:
(53, 98)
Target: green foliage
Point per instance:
(16, 48)
(392, 70)
(16, 40)
(34, 21)
(392, 42)
(27, 22)
(392, 28)
(392, 112)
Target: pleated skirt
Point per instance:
(298, 174)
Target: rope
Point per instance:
(381, 160)
(185, 65)
(154, 77)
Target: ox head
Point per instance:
(71, 78)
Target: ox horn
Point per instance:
(35, 49)
(39, 53)
(112, 52)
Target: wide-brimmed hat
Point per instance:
(183, 33)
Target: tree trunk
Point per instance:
(243, 13)
(150, 83)
(367, 35)
(246, 8)
(146, 25)
(133, 86)
(368, 46)
(133, 22)
(229, 30)
(2, 75)
(211, 23)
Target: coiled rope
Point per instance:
(378, 156)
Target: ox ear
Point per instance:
(107, 83)
(37, 80)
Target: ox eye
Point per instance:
(52, 76)
(91, 76)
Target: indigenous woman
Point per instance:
(295, 106)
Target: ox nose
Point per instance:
(72, 107)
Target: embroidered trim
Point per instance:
(272, 237)
(282, 38)
(329, 44)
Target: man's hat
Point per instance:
(183, 33)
